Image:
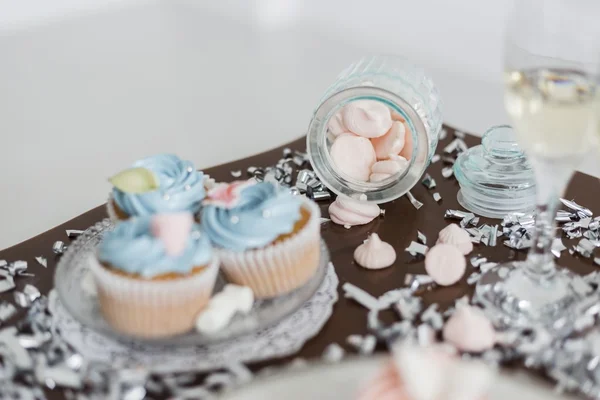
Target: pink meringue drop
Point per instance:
(384, 169)
(407, 150)
(457, 237)
(374, 253)
(468, 329)
(390, 143)
(353, 156)
(345, 211)
(367, 118)
(173, 230)
(445, 264)
(336, 124)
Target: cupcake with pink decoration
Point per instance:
(267, 239)
(154, 275)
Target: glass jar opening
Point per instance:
(356, 164)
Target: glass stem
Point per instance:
(552, 177)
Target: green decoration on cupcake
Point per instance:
(135, 180)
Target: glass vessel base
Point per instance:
(512, 297)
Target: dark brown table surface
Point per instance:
(398, 227)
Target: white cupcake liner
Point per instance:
(153, 308)
(279, 268)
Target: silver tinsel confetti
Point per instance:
(360, 296)
(416, 248)
(437, 197)
(73, 233)
(42, 261)
(333, 353)
(447, 172)
(236, 174)
(416, 203)
(435, 158)
(59, 247)
(428, 181)
(421, 237)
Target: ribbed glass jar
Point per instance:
(408, 92)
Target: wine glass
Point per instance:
(551, 64)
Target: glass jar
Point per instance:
(412, 100)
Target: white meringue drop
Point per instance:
(468, 329)
(390, 143)
(353, 156)
(375, 253)
(348, 212)
(336, 124)
(456, 236)
(367, 118)
(384, 169)
(407, 150)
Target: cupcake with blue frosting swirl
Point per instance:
(154, 274)
(267, 238)
(163, 183)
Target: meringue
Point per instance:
(407, 150)
(345, 211)
(445, 264)
(367, 118)
(469, 330)
(457, 237)
(336, 124)
(390, 143)
(353, 156)
(384, 169)
(374, 253)
(223, 306)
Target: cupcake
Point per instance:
(428, 373)
(267, 239)
(154, 274)
(162, 183)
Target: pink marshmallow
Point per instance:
(384, 169)
(367, 118)
(173, 230)
(353, 156)
(445, 264)
(390, 143)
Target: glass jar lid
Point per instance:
(495, 177)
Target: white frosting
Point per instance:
(390, 143)
(223, 306)
(345, 211)
(374, 253)
(384, 169)
(353, 156)
(457, 237)
(430, 374)
(468, 329)
(445, 264)
(367, 118)
(336, 124)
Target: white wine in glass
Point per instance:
(552, 57)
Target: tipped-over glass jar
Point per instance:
(374, 133)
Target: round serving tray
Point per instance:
(73, 270)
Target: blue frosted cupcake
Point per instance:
(163, 183)
(267, 239)
(154, 274)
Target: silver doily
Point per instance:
(282, 339)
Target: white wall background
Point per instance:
(88, 86)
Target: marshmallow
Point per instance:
(223, 306)
(367, 118)
(345, 211)
(374, 253)
(353, 156)
(173, 230)
(468, 329)
(445, 264)
(390, 143)
(457, 237)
